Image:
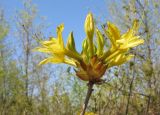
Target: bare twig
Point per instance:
(89, 92)
(130, 89)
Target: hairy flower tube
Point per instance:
(94, 60)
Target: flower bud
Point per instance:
(85, 46)
(71, 43)
(89, 29)
(89, 26)
(100, 42)
(85, 53)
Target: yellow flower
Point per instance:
(129, 39)
(93, 60)
(120, 44)
(126, 40)
(55, 48)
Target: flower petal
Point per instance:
(51, 60)
(60, 29)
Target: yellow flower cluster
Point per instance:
(93, 60)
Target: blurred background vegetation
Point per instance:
(131, 89)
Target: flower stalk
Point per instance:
(89, 93)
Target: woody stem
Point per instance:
(89, 92)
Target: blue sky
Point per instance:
(70, 12)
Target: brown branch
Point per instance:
(89, 92)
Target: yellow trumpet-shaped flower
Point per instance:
(55, 47)
(121, 43)
(94, 60)
(129, 39)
